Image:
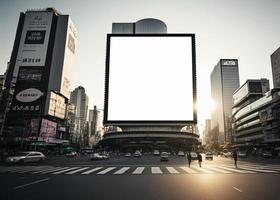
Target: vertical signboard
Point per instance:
(68, 58)
(34, 40)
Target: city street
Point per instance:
(141, 178)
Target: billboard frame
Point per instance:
(149, 122)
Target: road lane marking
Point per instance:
(106, 170)
(122, 170)
(202, 170)
(92, 170)
(236, 170)
(77, 170)
(218, 170)
(32, 183)
(138, 170)
(65, 170)
(172, 170)
(239, 190)
(189, 170)
(156, 170)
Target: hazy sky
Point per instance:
(247, 30)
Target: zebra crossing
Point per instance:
(141, 170)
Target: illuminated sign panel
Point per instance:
(150, 79)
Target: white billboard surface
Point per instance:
(150, 79)
(34, 40)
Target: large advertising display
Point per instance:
(48, 130)
(27, 100)
(150, 79)
(55, 105)
(34, 40)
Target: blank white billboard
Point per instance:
(150, 78)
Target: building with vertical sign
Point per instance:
(224, 81)
(275, 64)
(40, 74)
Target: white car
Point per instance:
(71, 154)
(227, 154)
(156, 153)
(194, 156)
(242, 154)
(137, 154)
(181, 153)
(26, 156)
(127, 155)
(209, 156)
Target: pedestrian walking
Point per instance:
(189, 159)
(199, 157)
(234, 155)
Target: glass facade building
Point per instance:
(224, 81)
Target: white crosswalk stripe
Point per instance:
(189, 170)
(138, 170)
(218, 170)
(47, 169)
(106, 170)
(203, 170)
(172, 170)
(156, 170)
(77, 170)
(236, 170)
(65, 170)
(258, 170)
(92, 170)
(122, 170)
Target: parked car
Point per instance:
(266, 154)
(181, 153)
(242, 154)
(164, 156)
(71, 154)
(26, 156)
(156, 153)
(137, 154)
(194, 156)
(209, 156)
(127, 155)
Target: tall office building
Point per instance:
(275, 64)
(80, 100)
(207, 131)
(95, 125)
(224, 82)
(39, 74)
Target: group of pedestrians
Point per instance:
(199, 158)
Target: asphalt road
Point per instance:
(79, 178)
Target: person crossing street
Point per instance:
(199, 157)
